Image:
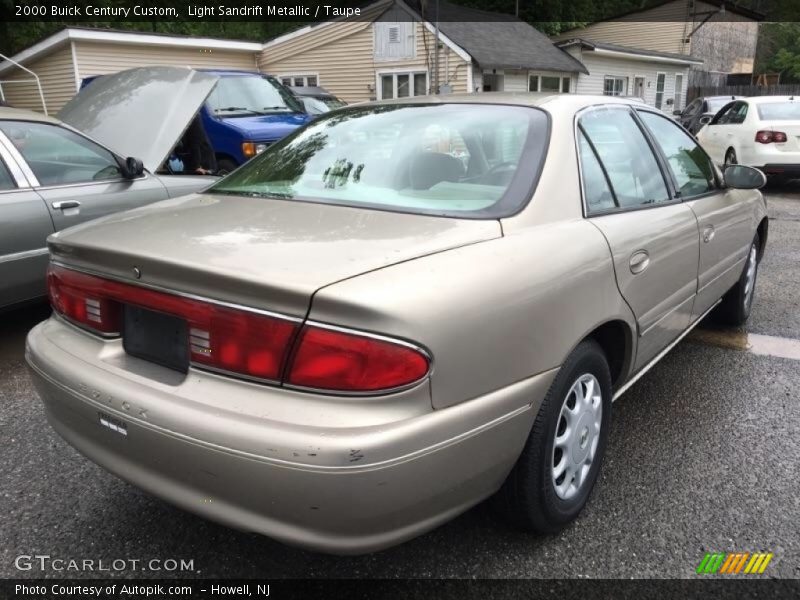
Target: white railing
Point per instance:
(35, 78)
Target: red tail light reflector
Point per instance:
(220, 337)
(767, 136)
(329, 359)
(245, 341)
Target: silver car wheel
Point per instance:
(577, 436)
(750, 276)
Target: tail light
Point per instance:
(246, 342)
(332, 359)
(220, 337)
(766, 136)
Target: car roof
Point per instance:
(19, 114)
(769, 99)
(542, 99)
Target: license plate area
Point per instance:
(156, 337)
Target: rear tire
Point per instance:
(554, 475)
(738, 301)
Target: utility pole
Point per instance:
(436, 53)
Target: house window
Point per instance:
(300, 80)
(548, 83)
(615, 86)
(660, 80)
(402, 85)
(678, 92)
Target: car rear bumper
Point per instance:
(781, 170)
(326, 487)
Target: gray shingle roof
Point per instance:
(628, 50)
(500, 41)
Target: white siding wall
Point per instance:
(56, 76)
(600, 66)
(515, 81)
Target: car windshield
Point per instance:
(317, 105)
(779, 111)
(445, 159)
(240, 96)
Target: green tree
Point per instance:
(779, 50)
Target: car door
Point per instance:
(689, 114)
(651, 234)
(78, 179)
(715, 134)
(724, 215)
(24, 226)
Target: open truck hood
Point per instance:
(140, 112)
(263, 253)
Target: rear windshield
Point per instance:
(779, 111)
(468, 160)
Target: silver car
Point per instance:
(396, 312)
(56, 173)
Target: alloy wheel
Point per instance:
(750, 277)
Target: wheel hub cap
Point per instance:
(577, 436)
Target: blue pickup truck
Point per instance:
(245, 112)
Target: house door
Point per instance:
(493, 82)
(638, 87)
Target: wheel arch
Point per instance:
(763, 231)
(616, 340)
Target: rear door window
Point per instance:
(633, 171)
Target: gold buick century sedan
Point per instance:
(398, 311)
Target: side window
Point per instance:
(691, 167)
(596, 192)
(739, 114)
(724, 115)
(58, 156)
(622, 148)
(6, 181)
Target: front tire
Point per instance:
(738, 301)
(554, 475)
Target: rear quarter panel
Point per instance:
(493, 313)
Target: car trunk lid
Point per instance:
(140, 112)
(790, 128)
(262, 253)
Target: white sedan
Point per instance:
(761, 132)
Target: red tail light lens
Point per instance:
(80, 299)
(245, 342)
(333, 360)
(240, 341)
(769, 137)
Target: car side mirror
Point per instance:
(741, 177)
(677, 113)
(705, 120)
(132, 168)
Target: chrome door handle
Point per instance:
(640, 260)
(709, 233)
(64, 204)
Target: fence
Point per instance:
(783, 89)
